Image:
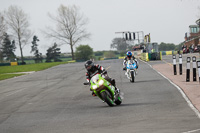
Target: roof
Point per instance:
(191, 26)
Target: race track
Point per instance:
(56, 101)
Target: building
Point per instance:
(192, 39)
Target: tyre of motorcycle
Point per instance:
(107, 98)
(118, 99)
(132, 77)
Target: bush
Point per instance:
(99, 53)
(84, 52)
(109, 54)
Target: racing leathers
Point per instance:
(99, 69)
(129, 58)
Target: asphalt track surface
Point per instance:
(56, 101)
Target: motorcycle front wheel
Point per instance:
(132, 78)
(107, 98)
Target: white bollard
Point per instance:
(194, 68)
(174, 63)
(180, 64)
(198, 66)
(188, 69)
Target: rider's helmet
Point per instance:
(89, 65)
(129, 54)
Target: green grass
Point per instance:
(31, 61)
(6, 70)
(7, 76)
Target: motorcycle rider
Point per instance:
(94, 69)
(129, 56)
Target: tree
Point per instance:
(109, 54)
(53, 53)
(8, 48)
(84, 52)
(70, 27)
(166, 46)
(34, 48)
(120, 44)
(198, 14)
(98, 53)
(179, 46)
(3, 29)
(18, 23)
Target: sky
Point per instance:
(166, 20)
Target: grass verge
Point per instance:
(5, 71)
(7, 76)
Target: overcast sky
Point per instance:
(166, 20)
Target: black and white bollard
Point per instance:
(180, 64)
(198, 66)
(194, 68)
(188, 70)
(174, 63)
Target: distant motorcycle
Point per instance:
(131, 70)
(104, 90)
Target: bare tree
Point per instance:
(70, 26)
(2, 26)
(198, 14)
(119, 43)
(18, 24)
(2, 32)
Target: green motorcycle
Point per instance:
(105, 90)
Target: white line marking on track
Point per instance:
(108, 67)
(192, 131)
(13, 93)
(183, 94)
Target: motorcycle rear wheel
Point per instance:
(132, 78)
(118, 101)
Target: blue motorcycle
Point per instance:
(131, 70)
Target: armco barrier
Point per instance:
(72, 61)
(174, 52)
(144, 57)
(121, 57)
(171, 52)
(168, 52)
(110, 58)
(163, 52)
(155, 56)
(13, 63)
(160, 55)
(4, 64)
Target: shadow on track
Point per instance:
(143, 81)
(136, 104)
(122, 105)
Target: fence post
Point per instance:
(180, 64)
(174, 63)
(194, 68)
(198, 66)
(188, 69)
